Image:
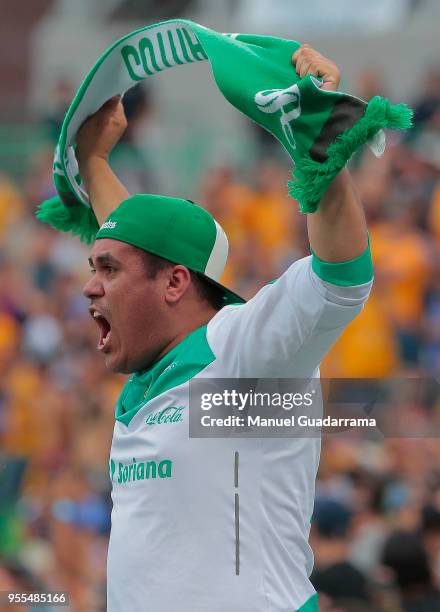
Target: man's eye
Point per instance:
(104, 269)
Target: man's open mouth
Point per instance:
(104, 328)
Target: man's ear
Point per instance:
(178, 282)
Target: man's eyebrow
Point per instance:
(104, 259)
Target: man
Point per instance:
(210, 525)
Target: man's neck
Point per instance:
(191, 325)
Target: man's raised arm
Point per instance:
(95, 140)
(338, 230)
(289, 325)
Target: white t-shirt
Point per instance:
(222, 525)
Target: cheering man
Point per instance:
(210, 525)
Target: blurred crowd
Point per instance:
(376, 528)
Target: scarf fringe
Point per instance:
(77, 219)
(312, 178)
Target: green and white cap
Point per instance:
(175, 229)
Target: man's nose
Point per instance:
(93, 288)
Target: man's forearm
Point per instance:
(338, 229)
(105, 190)
(95, 140)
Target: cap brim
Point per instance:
(229, 297)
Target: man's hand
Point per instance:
(308, 61)
(95, 140)
(101, 132)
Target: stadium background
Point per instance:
(376, 530)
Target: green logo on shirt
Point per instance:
(140, 470)
(171, 414)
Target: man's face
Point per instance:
(125, 304)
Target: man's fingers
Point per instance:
(110, 105)
(330, 85)
(101, 131)
(300, 51)
(112, 111)
(308, 66)
(304, 68)
(113, 101)
(308, 61)
(295, 56)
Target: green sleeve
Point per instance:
(355, 271)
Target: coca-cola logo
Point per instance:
(170, 414)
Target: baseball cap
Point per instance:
(177, 230)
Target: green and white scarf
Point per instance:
(319, 129)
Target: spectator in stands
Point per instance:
(333, 574)
(404, 554)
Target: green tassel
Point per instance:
(400, 117)
(312, 178)
(77, 219)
